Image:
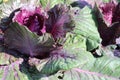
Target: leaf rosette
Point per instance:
(33, 31)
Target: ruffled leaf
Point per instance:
(32, 17)
(116, 15)
(18, 37)
(59, 22)
(107, 10)
(107, 33)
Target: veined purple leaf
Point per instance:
(108, 11)
(59, 22)
(107, 33)
(32, 17)
(18, 37)
(116, 14)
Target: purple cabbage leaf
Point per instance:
(108, 33)
(32, 17)
(107, 10)
(20, 38)
(56, 42)
(59, 21)
(94, 68)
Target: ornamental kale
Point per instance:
(107, 14)
(42, 31)
(108, 11)
(59, 40)
(59, 21)
(32, 17)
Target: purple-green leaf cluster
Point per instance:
(59, 40)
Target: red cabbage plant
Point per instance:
(32, 17)
(108, 21)
(108, 11)
(36, 32)
(56, 40)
